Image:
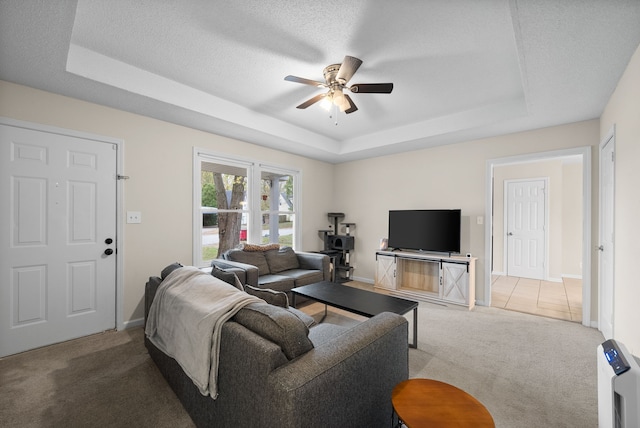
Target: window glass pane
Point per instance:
(283, 230)
(277, 207)
(223, 208)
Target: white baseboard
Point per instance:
(565, 275)
(133, 323)
(498, 274)
(361, 279)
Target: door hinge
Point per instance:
(613, 156)
(122, 177)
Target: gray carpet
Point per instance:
(528, 371)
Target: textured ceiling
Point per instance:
(461, 69)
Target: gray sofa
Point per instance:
(278, 269)
(295, 375)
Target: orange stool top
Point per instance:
(431, 403)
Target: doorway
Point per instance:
(555, 270)
(59, 220)
(606, 247)
(525, 226)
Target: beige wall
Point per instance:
(449, 176)
(158, 158)
(564, 178)
(572, 217)
(623, 111)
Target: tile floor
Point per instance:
(562, 300)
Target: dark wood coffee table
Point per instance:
(361, 302)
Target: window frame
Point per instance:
(254, 213)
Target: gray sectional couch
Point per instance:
(279, 369)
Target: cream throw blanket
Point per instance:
(185, 322)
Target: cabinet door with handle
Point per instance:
(386, 272)
(455, 282)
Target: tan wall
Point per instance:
(564, 213)
(572, 217)
(449, 176)
(623, 111)
(158, 158)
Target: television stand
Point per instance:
(431, 277)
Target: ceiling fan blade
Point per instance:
(352, 105)
(305, 81)
(311, 101)
(348, 68)
(372, 88)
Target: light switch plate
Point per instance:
(134, 217)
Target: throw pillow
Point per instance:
(166, 271)
(306, 319)
(273, 297)
(277, 325)
(251, 258)
(257, 247)
(281, 260)
(228, 277)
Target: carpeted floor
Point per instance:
(528, 371)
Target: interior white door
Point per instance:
(525, 229)
(606, 247)
(58, 237)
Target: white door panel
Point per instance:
(58, 209)
(526, 228)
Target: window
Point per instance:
(277, 207)
(238, 201)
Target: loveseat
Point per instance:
(296, 374)
(269, 266)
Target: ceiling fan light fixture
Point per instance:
(326, 102)
(336, 77)
(340, 100)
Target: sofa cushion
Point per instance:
(306, 319)
(255, 258)
(273, 297)
(282, 259)
(276, 282)
(166, 271)
(325, 332)
(277, 325)
(303, 276)
(228, 277)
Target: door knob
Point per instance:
(108, 241)
(600, 248)
(108, 251)
(510, 234)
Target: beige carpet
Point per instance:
(528, 371)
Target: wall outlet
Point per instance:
(480, 219)
(134, 217)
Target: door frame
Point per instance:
(585, 153)
(505, 254)
(119, 314)
(610, 138)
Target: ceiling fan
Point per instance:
(336, 77)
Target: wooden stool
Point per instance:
(431, 403)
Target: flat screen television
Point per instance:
(435, 231)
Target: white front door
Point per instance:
(525, 228)
(58, 238)
(606, 279)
